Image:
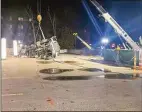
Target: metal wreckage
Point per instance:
(47, 48)
(44, 49)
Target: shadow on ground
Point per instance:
(64, 78)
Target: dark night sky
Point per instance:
(126, 12)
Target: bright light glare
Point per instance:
(101, 47)
(21, 45)
(19, 41)
(105, 41)
(3, 48)
(15, 48)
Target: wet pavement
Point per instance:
(95, 94)
(67, 87)
(91, 69)
(122, 76)
(65, 78)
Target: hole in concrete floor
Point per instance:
(121, 76)
(54, 70)
(68, 78)
(72, 62)
(95, 70)
(90, 69)
(106, 70)
(44, 62)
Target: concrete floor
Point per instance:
(23, 88)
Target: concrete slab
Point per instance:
(23, 88)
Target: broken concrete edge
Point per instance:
(70, 74)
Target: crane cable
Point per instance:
(92, 18)
(39, 13)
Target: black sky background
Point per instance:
(126, 12)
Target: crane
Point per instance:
(118, 29)
(85, 43)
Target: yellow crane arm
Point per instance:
(87, 45)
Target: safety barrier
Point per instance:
(124, 56)
(84, 52)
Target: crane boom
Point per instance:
(115, 25)
(85, 43)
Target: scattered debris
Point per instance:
(50, 101)
(126, 95)
(72, 101)
(33, 88)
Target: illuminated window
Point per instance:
(20, 19)
(30, 19)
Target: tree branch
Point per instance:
(30, 15)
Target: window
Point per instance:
(10, 18)
(20, 19)
(30, 19)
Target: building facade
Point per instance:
(15, 25)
